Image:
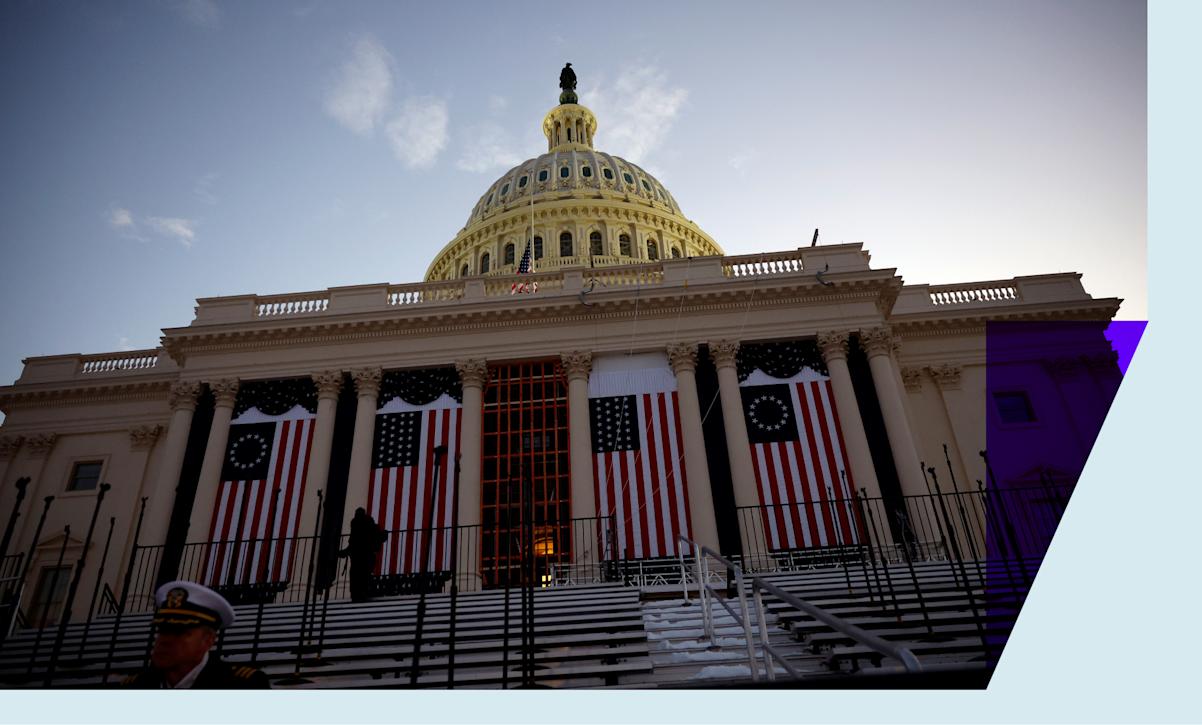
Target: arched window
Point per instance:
(565, 244)
(522, 182)
(464, 272)
(484, 260)
(504, 190)
(538, 247)
(675, 252)
(508, 254)
(595, 247)
(624, 245)
(652, 250)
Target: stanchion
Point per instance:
(22, 484)
(129, 574)
(74, 588)
(440, 453)
(296, 678)
(58, 566)
(96, 588)
(456, 531)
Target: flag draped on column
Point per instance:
(253, 528)
(638, 455)
(796, 447)
(418, 412)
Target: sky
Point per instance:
(156, 152)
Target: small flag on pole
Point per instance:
(526, 266)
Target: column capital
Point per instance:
(328, 383)
(40, 444)
(947, 377)
(912, 378)
(225, 391)
(472, 373)
(876, 341)
(367, 381)
(9, 445)
(577, 364)
(833, 344)
(724, 353)
(182, 395)
(682, 356)
(142, 437)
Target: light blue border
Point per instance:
(1126, 558)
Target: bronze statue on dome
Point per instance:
(567, 82)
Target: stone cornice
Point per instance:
(14, 397)
(142, 437)
(617, 303)
(968, 321)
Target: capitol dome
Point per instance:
(589, 208)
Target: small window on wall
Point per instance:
(84, 476)
(538, 247)
(484, 261)
(646, 186)
(607, 173)
(627, 178)
(624, 245)
(652, 251)
(463, 272)
(675, 252)
(595, 246)
(522, 182)
(1014, 407)
(565, 244)
(509, 254)
(586, 172)
(504, 190)
(542, 175)
(48, 596)
(563, 172)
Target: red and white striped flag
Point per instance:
(406, 484)
(260, 458)
(799, 458)
(638, 467)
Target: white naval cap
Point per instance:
(188, 604)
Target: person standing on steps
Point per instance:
(364, 546)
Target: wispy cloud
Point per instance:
(121, 218)
(203, 189)
(181, 230)
(359, 98)
(638, 109)
(487, 147)
(418, 134)
(201, 13)
(741, 160)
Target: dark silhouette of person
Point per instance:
(364, 546)
(567, 78)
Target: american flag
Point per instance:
(638, 471)
(799, 458)
(260, 458)
(525, 266)
(403, 471)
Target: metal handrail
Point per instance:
(902, 654)
(704, 589)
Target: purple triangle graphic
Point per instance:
(1124, 336)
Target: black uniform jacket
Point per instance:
(216, 675)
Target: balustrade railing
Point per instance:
(963, 294)
(424, 293)
(292, 304)
(114, 361)
(758, 265)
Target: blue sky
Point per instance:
(155, 152)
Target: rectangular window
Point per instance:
(84, 476)
(1014, 407)
(49, 596)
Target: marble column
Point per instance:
(142, 439)
(584, 505)
(833, 345)
(329, 385)
(224, 394)
(473, 374)
(161, 492)
(878, 344)
(683, 358)
(738, 448)
(358, 479)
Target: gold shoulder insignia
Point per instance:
(244, 672)
(129, 680)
